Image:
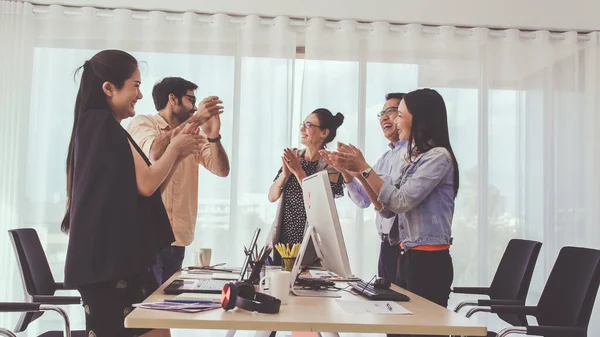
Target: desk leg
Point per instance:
(230, 333)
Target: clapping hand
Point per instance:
(348, 158)
(292, 161)
(207, 108)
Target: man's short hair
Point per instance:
(396, 95)
(170, 85)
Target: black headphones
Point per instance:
(244, 296)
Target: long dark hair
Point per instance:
(114, 66)
(329, 121)
(429, 125)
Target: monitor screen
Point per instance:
(321, 214)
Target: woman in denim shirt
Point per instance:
(423, 196)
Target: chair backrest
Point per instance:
(35, 270)
(570, 292)
(514, 273)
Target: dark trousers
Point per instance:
(168, 262)
(388, 261)
(427, 274)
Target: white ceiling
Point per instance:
(581, 15)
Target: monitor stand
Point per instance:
(310, 234)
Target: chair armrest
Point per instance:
(465, 304)
(513, 309)
(19, 306)
(7, 333)
(61, 286)
(488, 303)
(471, 290)
(50, 299)
(556, 331)
(29, 306)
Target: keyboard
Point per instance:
(371, 293)
(195, 286)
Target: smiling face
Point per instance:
(311, 132)
(403, 122)
(185, 107)
(122, 101)
(388, 114)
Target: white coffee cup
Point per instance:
(279, 284)
(267, 271)
(203, 257)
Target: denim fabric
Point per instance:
(168, 262)
(389, 164)
(422, 198)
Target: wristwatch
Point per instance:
(365, 173)
(214, 140)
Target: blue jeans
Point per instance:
(168, 262)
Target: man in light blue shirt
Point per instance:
(389, 164)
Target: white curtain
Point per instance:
(522, 114)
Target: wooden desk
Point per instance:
(312, 314)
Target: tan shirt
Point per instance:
(180, 189)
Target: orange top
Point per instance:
(429, 248)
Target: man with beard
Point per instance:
(175, 101)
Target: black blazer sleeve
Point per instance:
(112, 232)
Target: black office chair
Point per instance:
(36, 275)
(566, 303)
(26, 307)
(511, 281)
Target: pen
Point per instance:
(208, 270)
(389, 306)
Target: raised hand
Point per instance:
(285, 168)
(349, 158)
(186, 128)
(292, 159)
(207, 108)
(187, 143)
(212, 128)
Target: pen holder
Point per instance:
(288, 263)
(254, 277)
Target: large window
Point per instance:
(496, 133)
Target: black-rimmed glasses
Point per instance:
(308, 125)
(192, 98)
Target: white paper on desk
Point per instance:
(202, 276)
(315, 273)
(372, 307)
(329, 275)
(225, 276)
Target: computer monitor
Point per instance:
(324, 227)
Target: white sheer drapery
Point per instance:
(522, 113)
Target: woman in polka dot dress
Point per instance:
(317, 130)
